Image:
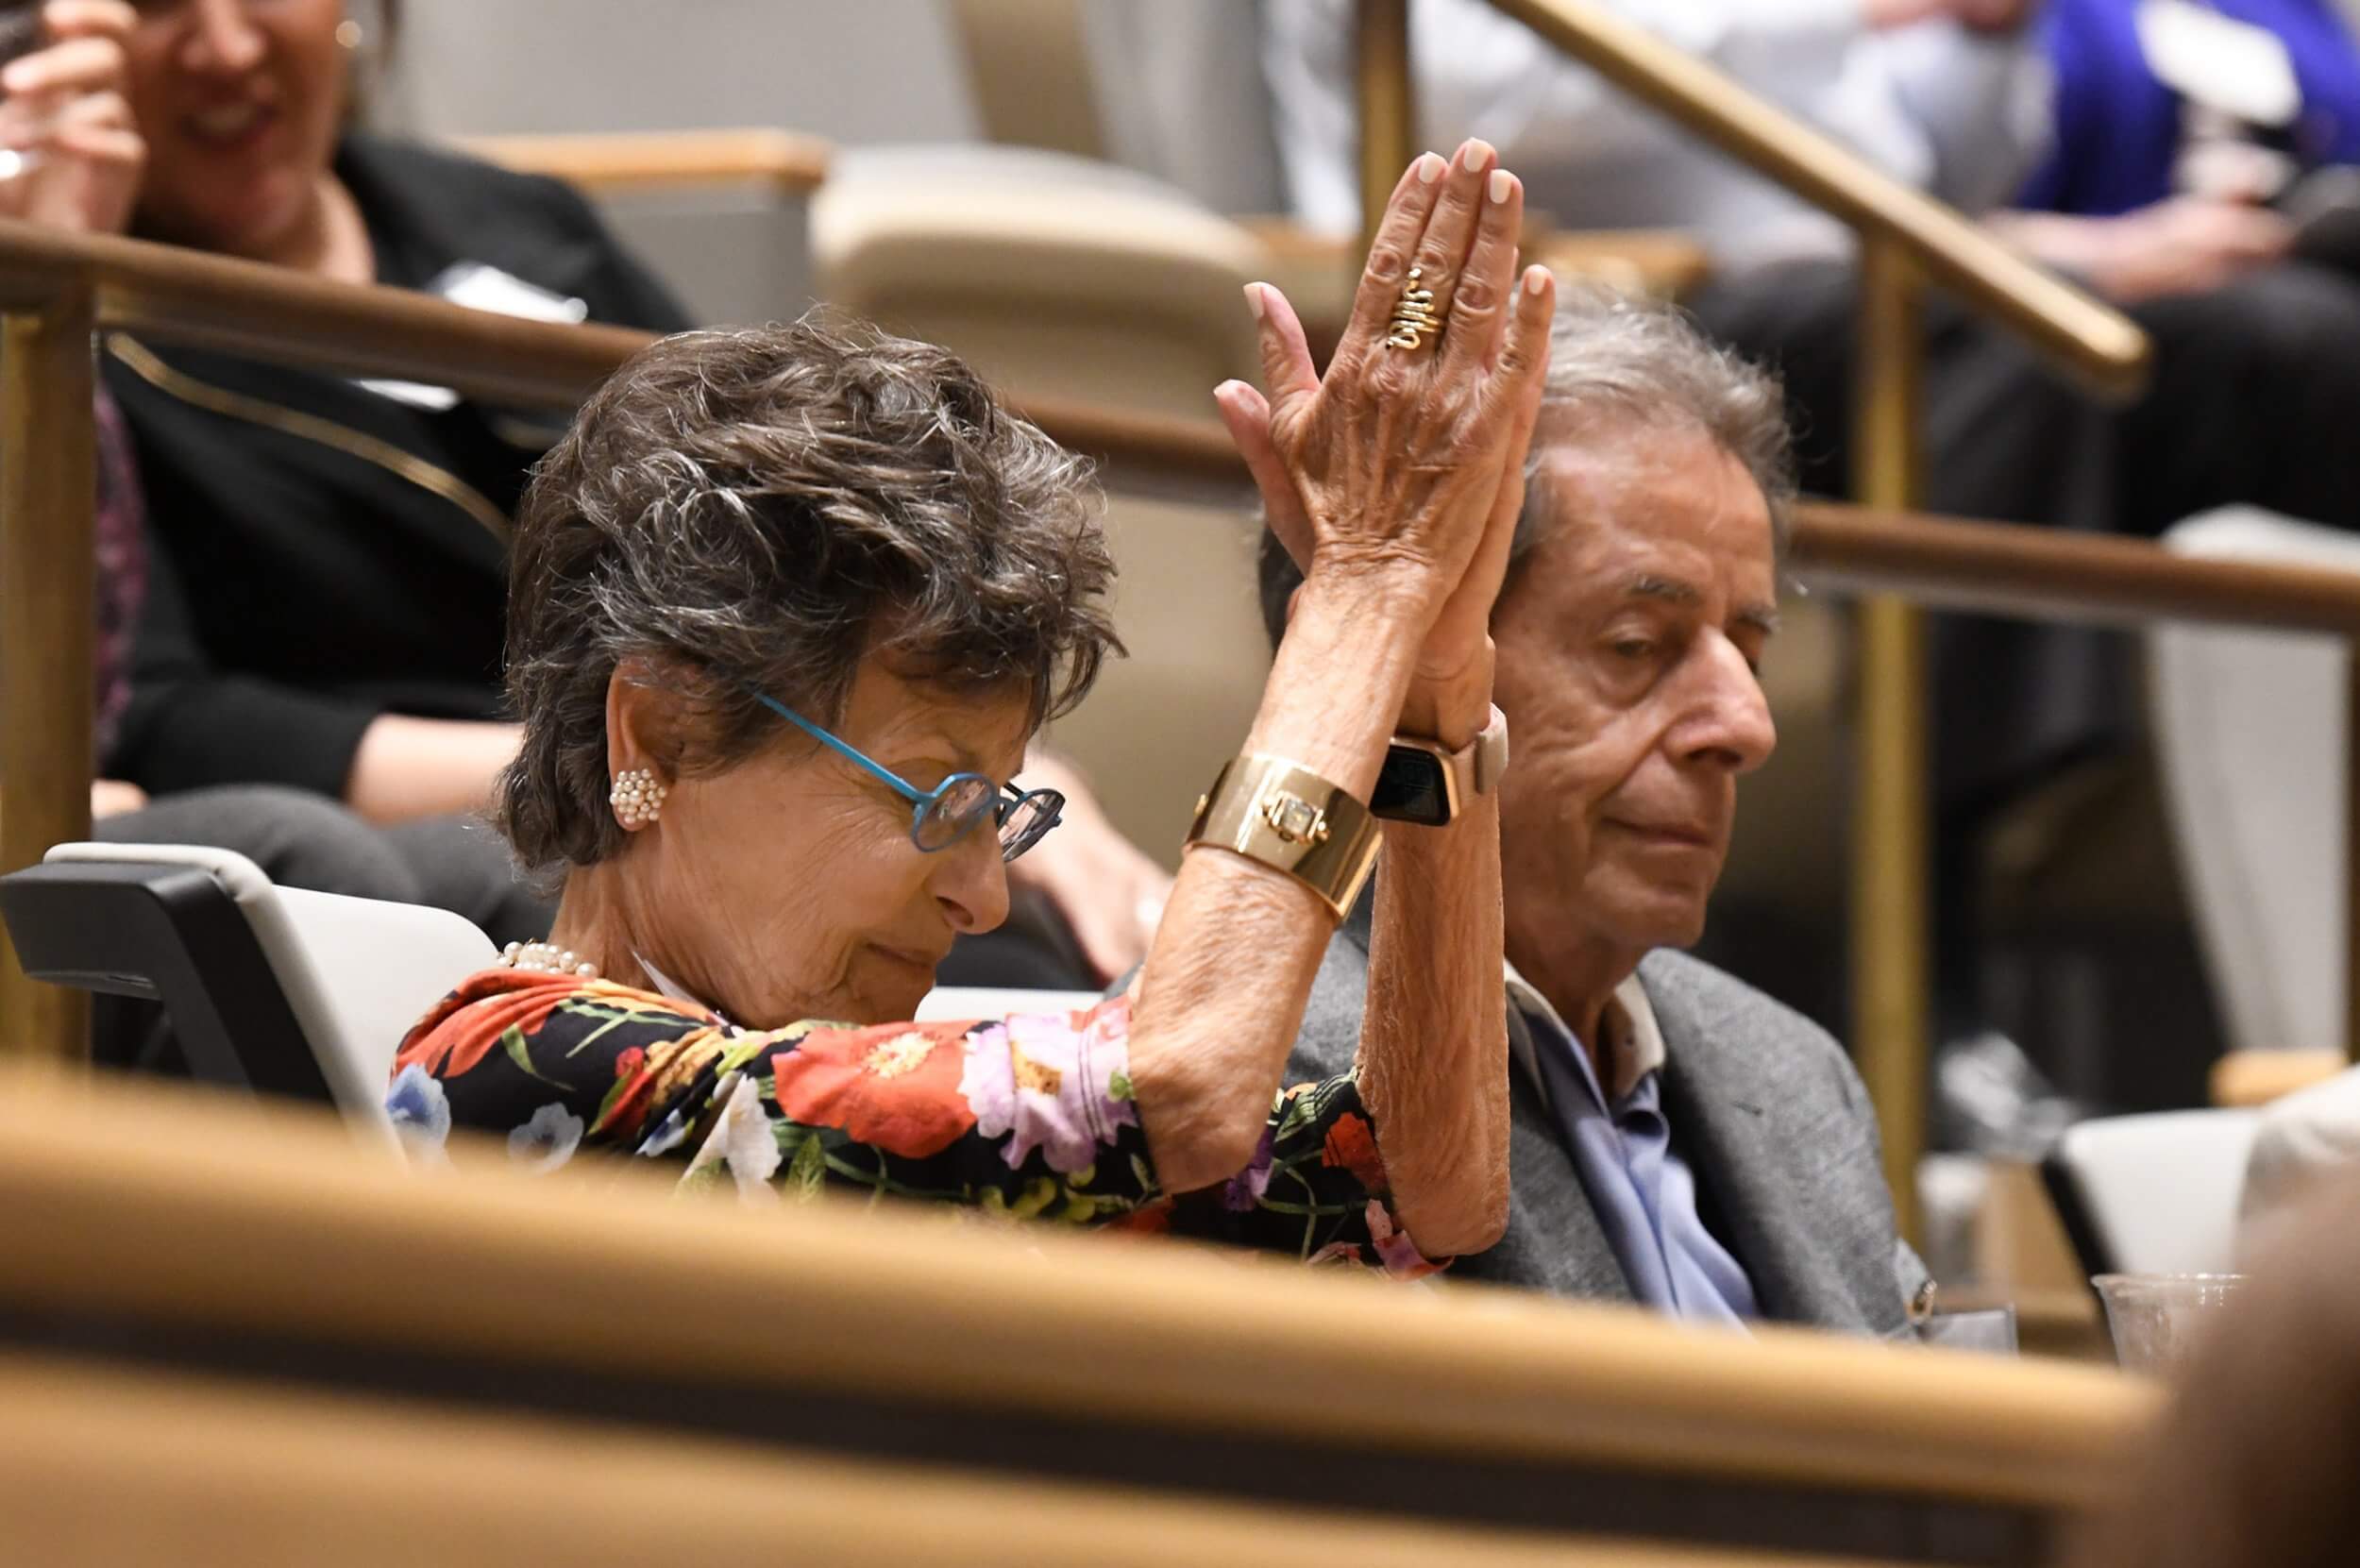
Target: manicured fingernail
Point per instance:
(1536, 279)
(1476, 155)
(1254, 301)
(17, 76)
(1502, 182)
(1429, 168)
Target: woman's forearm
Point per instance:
(1433, 1062)
(1433, 1058)
(1222, 997)
(410, 768)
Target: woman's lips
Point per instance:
(229, 128)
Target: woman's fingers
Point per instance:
(1248, 419)
(1287, 370)
(1524, 358)
(1389, 256)
(1442, 254)
(1473, 332)
(76, 18)
(75, 65)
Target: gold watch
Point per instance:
(1290, 818)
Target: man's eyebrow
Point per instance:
(1647, 585)
(1763, 618)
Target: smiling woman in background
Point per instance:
(788, 605)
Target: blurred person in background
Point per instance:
(327, 558)
(2252, 1463)
(789, 604)
(2199, 175)
(1677, 1138)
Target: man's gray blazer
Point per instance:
(1763, 1105)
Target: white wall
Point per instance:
(857, 71)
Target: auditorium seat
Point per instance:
(2249, 726)
(276, 989)
(2153, 1194)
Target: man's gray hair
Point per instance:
(1619, 364)
(1619, 361)
(763, 511)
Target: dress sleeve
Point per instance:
(1031, 1117)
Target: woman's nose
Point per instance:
(971, 886)
(222, 37)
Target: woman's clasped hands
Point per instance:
(1401, 471)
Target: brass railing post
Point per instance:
(1891, 931)
(1389, 117)
(48, 490)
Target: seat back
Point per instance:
(946, 1002)
(350, 975)
(2153, 1194)
(2249, 731)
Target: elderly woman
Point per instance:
(787, 606)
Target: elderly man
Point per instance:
(1679, 1140)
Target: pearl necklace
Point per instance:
(545, 958)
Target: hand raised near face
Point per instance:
(1417, 452)
(65, 116)
(1391, 464)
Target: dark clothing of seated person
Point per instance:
(1677, 1138)
(788, 606)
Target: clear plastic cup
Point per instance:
(2157, 1321)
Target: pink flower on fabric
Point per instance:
(1244, 1190)
(1056, 1082)
(1401, 1257)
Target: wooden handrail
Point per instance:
(174, 295)
(612, 162)
(123, 1198)
(2094, 341)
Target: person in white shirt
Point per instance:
(1946, 94)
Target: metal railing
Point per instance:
(1907, 241)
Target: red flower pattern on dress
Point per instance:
(494, 1001)
(895, 1085)
(1352, 1145)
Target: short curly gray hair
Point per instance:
(1619, 362)
(761, 510)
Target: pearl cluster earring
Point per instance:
(637, 797)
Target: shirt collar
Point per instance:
(1634, 1041)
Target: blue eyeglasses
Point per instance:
(942, 815)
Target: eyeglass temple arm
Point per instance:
(815, 731)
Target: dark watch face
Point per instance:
(1412, 788)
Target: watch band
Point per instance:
(1426, 785)
(1290, 818)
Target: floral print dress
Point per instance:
(1031, 1116)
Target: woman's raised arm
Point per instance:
(1393, 468)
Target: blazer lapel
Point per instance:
(1748, 1137)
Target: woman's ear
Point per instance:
(642, 731)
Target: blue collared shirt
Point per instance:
(1643, 1193)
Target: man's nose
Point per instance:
(1729, 722)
